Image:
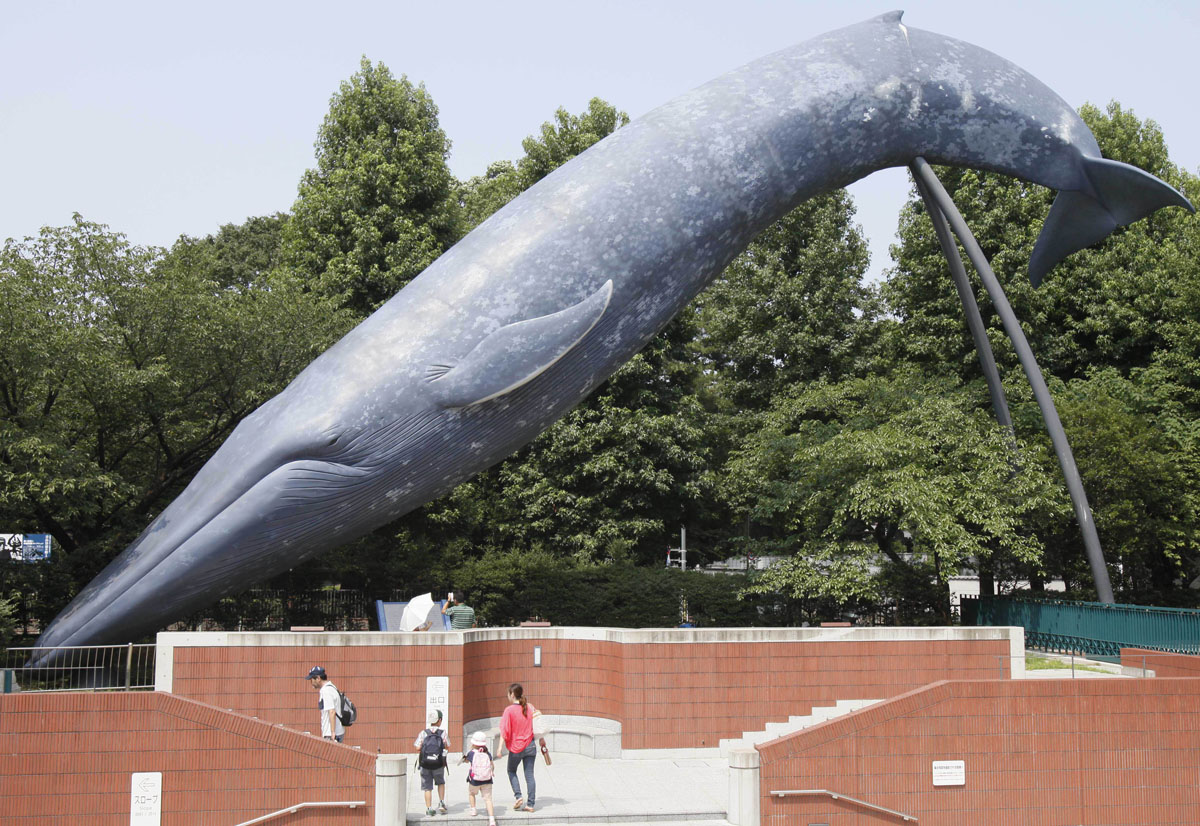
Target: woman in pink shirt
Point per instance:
(516, 727)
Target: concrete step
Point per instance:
(590, 741)
(561, 814)
(775, 730)
(600, 739)
(795, 723)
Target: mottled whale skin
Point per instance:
(517, 323)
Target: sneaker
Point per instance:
(492, 822)
(442, 806)
(430, 812)
(472, 811)
(517, 806)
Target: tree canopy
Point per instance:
(380, 205)
(123, 371)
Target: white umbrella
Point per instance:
(416, 613)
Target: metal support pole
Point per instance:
(966, 295)
(128, 666)
(1062, 448)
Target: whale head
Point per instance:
(347, 447)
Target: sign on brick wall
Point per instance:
(437, 696)
(145, 805)
(949, 772)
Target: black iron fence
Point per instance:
(277, 610)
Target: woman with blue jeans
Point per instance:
(516, 727)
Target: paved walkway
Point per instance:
(688, 787)
(1084, 669)
(582, 790)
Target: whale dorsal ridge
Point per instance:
(516, 354)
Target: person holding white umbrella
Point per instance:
(416, 614)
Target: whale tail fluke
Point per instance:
(1121, 194)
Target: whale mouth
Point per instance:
(232, 528)
(283, 508)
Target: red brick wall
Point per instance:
(1161, 663)
(386, 682)
(582, 677)
(693, 695)
(1037, 753)
(68, 758)
(665, 694)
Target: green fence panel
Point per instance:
(1097, 629)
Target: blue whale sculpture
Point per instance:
(517, 323)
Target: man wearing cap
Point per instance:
(431, 775)
(328, 702)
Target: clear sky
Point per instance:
(161, 119)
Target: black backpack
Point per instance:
(431, 750)
(347, 713)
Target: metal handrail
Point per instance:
(290, 810)
(128, 667)
(847, 798)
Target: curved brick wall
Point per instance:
(578, 677)
(68, 758)
(669, 688)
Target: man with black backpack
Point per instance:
(329, 704)
(432, 745)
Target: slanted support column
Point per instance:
(744, 787)
(930, 184)
(391, 789)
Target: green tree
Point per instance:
(879, 489)
(238, 255)
(1137, 460)
(122, 373)
(614, 478)
(508, 587)
(8, 622)
(609, 479)
(380, 205)
(557, 142)
(790, 309)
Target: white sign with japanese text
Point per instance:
(949, 773)
(145, 805)
(437, 696)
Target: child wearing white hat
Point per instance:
(479, 777)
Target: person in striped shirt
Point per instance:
(461, 616)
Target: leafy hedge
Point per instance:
(508, 588)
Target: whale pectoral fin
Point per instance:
(516, 354)
(1123, 194)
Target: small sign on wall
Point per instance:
(949, 773)
(145, 803)
(437, 696)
